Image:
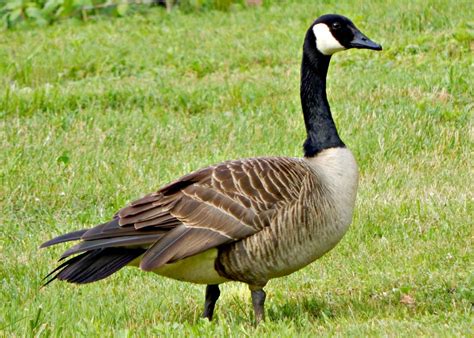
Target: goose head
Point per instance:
(333, 33)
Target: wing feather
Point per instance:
(204, 209)
(129, 241)
(70, 236)
(180, 243)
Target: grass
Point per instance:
(94, 115)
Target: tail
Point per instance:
(103, 250)
(94, 265)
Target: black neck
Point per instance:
(320, 127)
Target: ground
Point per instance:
(96, 114)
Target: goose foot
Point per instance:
(212, 295)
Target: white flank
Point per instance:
(326, 43)
(197, 269)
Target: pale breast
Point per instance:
(337, 168)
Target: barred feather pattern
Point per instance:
(268, 217)
(216, 206)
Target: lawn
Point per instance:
(96, 114)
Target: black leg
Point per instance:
(212, 295)
(258, 301)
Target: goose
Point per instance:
(247, 220)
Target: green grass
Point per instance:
(94, 115)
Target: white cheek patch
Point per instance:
(326, 43)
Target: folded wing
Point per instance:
(205, 209)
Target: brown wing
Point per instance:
(207, 208)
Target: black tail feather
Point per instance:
(59, 267)
(94, 265)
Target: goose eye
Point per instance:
(336, 25)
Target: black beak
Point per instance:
(362, 42)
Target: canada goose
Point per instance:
(247, 220)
